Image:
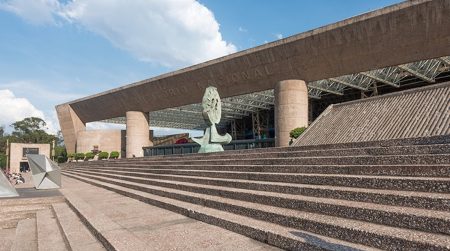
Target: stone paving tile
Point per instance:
(7, 238)
(161, 229)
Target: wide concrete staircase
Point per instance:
(45, 223)
(391, 195)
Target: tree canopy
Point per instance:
(31, 130)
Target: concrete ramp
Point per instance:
(420, 112)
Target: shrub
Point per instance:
(71, 155)
(79, 156)
(61, 159)
(295, 133)
(89, 155)
(103, 155)
(114, 155)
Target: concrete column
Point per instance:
(138, 134)
(291, 109)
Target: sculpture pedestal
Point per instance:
(212, 141)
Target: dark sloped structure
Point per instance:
(420, 112)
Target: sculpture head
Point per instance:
(212, 106)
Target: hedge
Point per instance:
(295, 133)
(114, 155)
(89, 155)
(60, 159)
(103, 155)
(79, 156)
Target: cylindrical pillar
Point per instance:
(138, 134)
(291, 109)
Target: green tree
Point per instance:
(31, 130)
(2, 140)
(2, 160)
(2, 147)
(60, 153)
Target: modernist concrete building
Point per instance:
(391, 48)
(18, 154)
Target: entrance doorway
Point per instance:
(24, 167)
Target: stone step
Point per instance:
(420, 219)
(23, 208)
(416, 159)
(396, 143)
(75, 232)
(390, 170)
(426, 159)
(273, 234)
(419, 184)
(7, 236)
(436, 201)
(26, 236)
(112, 235)
(378, 236)
(430, 141)
(11, 219)
(48, 232)
(393, 150)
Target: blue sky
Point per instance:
(55, 51)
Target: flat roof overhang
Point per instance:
(407, 32)
(237, 107)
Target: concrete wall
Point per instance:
(70, 125)
(16, 154)
(106, 140)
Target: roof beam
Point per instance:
(175, 125)
(245, 104)
(379, 79)
(445, 60)
(326, 86)
(327, 90)
(314, 93)
(340, 81)
(426, 70)
(264, 95)
(250, 99)
(416, 73)
(119, 120)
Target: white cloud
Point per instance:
(14, 109)
(38, 94)
(166, 32)
(104, 126)
(242, 29)
(36, 11)
(278, 35)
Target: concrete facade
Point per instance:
(106, 140)
(70, 125)
(291, 109)
(138, 134)
(16, 154)
(406, 32)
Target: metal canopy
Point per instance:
(237, 107)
